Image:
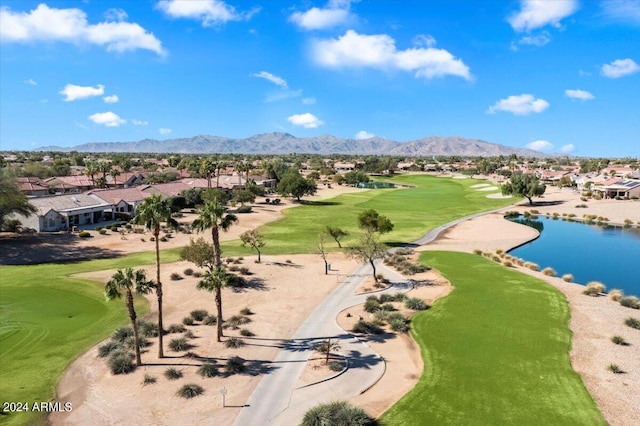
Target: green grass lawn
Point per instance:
(496, 351)
(47, 319)
(431, 202)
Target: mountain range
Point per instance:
(285, 143)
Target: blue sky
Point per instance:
(554, 75)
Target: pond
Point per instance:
(591, 253)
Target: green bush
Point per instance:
(236, 321)
(199, 314)
(234, 342)
(148, 328)
(187, 321)
(102, 232)
(121, 334)
(208, 370)
(175, 276)
(619, 340)
(371, 304)
(336, 413)
(176, 328)
(188, 334)
(632, 322)
(121, 362)
(244, 209)
(366, 327)
(246, 332)
(246, 311)
(399, 325)
(336, 366)
(129, 343)
(415, 304)
(190, 390)
(244, 270)
(179, 344)
(148, 380)
(210, 320)
(188, 271)
(615, 369)
(109, 347)
(235, 365)
(630, 302)
(84, 234)
(172, 373)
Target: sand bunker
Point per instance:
(488, 188)
(480, 185)
(498, 195)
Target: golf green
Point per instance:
(496, 351)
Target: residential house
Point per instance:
(69, 184)
(166, 190)
(32, 186)
(622, 189)
(124, 201)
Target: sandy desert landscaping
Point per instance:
(282, 292)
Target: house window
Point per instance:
(87, 214)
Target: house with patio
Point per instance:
(623, 189)
(124, 201)
(63, 212)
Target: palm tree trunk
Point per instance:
(215, 235)
(136, 337)
(219, 307)
(156, 233)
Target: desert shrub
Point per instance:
(630, 302)
(98, 228)
(568, 278)
(550, 272)
(102, 232)
(164, 239)
(371, 304)
(234, 342)
(233, 268)
(235, 365)
(594, 288)
(615, 294)
(246, 311)
(245, 271)
(366, 327)
(615, 369)
(496, 258)
(415, 304)
(187, 321)
(244, 209)
(477, 251)
(399, 297)
(508, 263)
(121, 334)
(632, 322)
(130, 342)
(188, 334)
(236, 321)
(237, 261)
(229, 260)
(208, 370)
(148, 328)
(386, 297)
(188, 272)
(172, 373)
(84, 234)
(191, 355)
(197, 274)
(176, 328)
(106, 349)
(398, 325)
(335, 366)
(380, 317)
(336, 413)
(581, 206)
(246, 332)
(175, 276)
(210, 320)
(121, 362)
(199, 314)
(179, 344)
(149, 380)
(619, 340)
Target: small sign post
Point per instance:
(223, 392)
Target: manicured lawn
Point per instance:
(47, 319)
(432, 202)
(496, 351)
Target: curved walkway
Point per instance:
(280, 399)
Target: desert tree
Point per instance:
(372, 221)
(200, 253)
(151, 213)
(524, 184)
(336, 233)
(293, 184)
(128, 281)
(323, 252)
(12, 200)
(254, 239)
(367, 249)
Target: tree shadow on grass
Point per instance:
(320, 203)
(49, 248)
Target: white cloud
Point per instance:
(107, 119)
(306, 120)
(519, 105)
(620, 68)
(283, 95)
(422, 40)
(111, 99)
(115, 14)
(540, 145)
(31, 82)
(537, 40)
(336, 13)
(278, 81)
(623, 10)
(70, 25)
(73, 92)
(363, 134)
(582, 95)
(139, 122)
(309, 101)
(209, 12)
(379, 51)
(568, 148)
(539, 13)
(164, 131)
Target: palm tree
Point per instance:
(114, 173)
(104, 167)
(127, 281)
(90, 170)
(207, 168)
(151, 213)
(214, 216)
(221, 165)
(213, 281)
